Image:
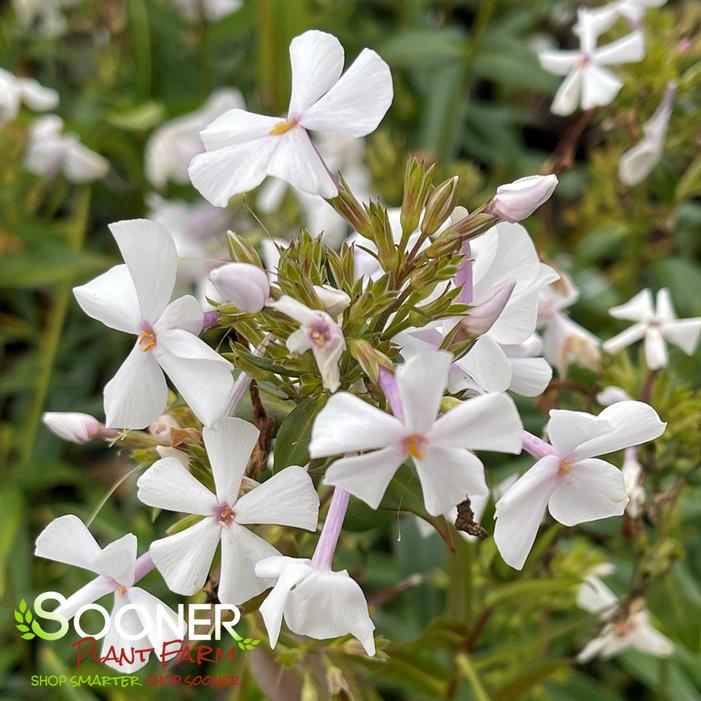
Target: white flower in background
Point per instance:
(318, 333)
(601, 19)
(50, 152)
(439, 446)
(588, 82)
(75, 427)
(67, 540)
(568, 479)
(657, 325)
(634, 630)
(243, 147)
(611, 395)
(172, 146)
(637, 163)
(516, 201)
(160, 428)
(210, 10)
(244, 285)
(530, 372)
(134, 298)
(564, 340)
(632, 472)
(46, 14)
(288, 498)
(16, 91)
(317, 602)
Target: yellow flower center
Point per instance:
(147, 340)
(282, 127)
(415, 445)
(320, 336)
(564, 467)
(121, 590)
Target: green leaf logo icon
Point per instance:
(23, 620)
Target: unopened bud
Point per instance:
(351, 210)
(335, 681)
(241, 251)
(518, 200)
(417, 183)
(482, 316)
(244, 285)
(370, 359)
(335, 301)
(440, 206)
(75, 427)
(160, 429)
(453, 236)
(632, 472)
(382, 236)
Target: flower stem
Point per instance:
(463, 277)
(535, 446)
(388, 384)
(325, 548)
(143, 566)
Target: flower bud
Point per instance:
(518, 200)
(334, 301)
(346, 204)
(417, 183)
(244, 285)
(161, 427)
(482, 316)
(74, 426)
(241, 251)
(632, 472)
(370, 359)
(440, 205)
(382, 236)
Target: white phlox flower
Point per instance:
(47, 15)
(210, 10)
(601, 19)
(16, 91)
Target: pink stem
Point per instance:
(388, 384)
(535, 446)
(326, 547)
(143, 566)
(463, 278)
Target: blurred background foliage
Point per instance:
(470, 94)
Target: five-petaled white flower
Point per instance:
(288, 498)
(51, 152)
(603, 18)
(439, 446)
(568, 478)
(149, 623)
(588, 83)
(134, 298)
(319, 333)
(315, 601)
(633, 630)
(657, 325)
(14, 91)
(243, 147)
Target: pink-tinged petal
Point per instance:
(655, 348)
(288, 498)
(82, 165)
(229, 442)
(489, 422)
(683, 333)
(421, 381)
(448, 476)
(183, 313)
(111, 299)
(297, 162)
(160, 622)
(149, 252)
(649, 640)
(530, 376)
(184, 559)
(591, 490)
(328, 604)
(599, 87)
(568, 430)
(627, 49)
(559, 62)
(295, 310)
(625, 338)
(137, 394)
(291, 572)
(632, 423)
(168, 485)
(66, 539)
(366, 476)
(237, 127)
(485, 365)
(118, 649)
(568, 94)
(348, 424)
(241, 550)
(327, 359)
(221, 174)
(639, 308)
(357, 103)
(92, 591)
(199, 373)
(520, 511)
(317, 63)
(117, 560)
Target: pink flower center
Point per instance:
(121, 590)
(225, 515)
(320, 334)
(147, 340)
(565, 466)
(415, 445)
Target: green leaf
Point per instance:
(292, 440)
(28, 636)
(23, 627)
(520, 686)
(689, 184)
(139, 118)
(18, 617)
(22, 605)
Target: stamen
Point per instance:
(415, 445)
(147, 340)
(282, 127)
(564, 467)
(121, 590)
(225, 515)
(320, 335)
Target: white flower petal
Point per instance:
(327, 359)
(567, 430)
(485, 365)
(149, 252)
(36, 96)
(295, 310)
(117, 560)
(625, 338)
(638, 162)
(288, 498)
(229, 442)
(640, 308)
(358, 102)
(168, 485)
(82, 165)
(627, 49)
(241, 550)
(568, 94)
(237, 126)
(95, 589)
(559, 62)
(183, 313)
(118, 650)
(160, 622)
(184, 558)
(655, 348)
(111, 299)
(595, 647)
(649, 640)
(683, 333)
(448, 476)
(347, 424)
(137, 394)
(599, 87)
(66, 539)
(366, 476)
(530, 376)
(595, 597)
(592, 489)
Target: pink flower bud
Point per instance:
(482, 316)
(519, 199)
(244, 285)
(73, 426)
(161, 427)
